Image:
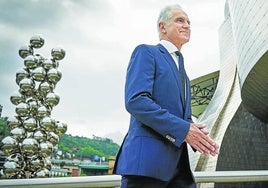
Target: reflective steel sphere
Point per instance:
(45, 87)
(21, 73)
(54, 75)
(27, 84)
(13, 122)
(45, 149)
(17, 98)
(37, 41)
(48, 64)
(30, 62)
(10, 145)
(22, 109)
(24, 51)
(40, 136)
(43, 111)
(52, 99)
(30, 124)
(11, 169)
(38, 74)
(35, 163)
(18, 133)
(61, 128)
(29, 146)
(53, 138)
(16, 157)
(58, 53)
(48, 124)
(25, 94)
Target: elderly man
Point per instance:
(157, 96)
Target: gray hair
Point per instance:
(166, 14)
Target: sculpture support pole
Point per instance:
(34, 133)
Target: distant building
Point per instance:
(81, 168)
(94, 169)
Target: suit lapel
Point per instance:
(170, 62)
(174, 69)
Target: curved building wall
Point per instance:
(213, 112)
(226, 77)
(237, 116)
(250, 29)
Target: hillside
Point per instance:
(76, 146)
(83, 147)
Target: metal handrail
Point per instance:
(114, 180)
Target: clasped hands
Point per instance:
(199, 139)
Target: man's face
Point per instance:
(177, 30)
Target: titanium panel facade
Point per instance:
(237, 115)
(250, 28)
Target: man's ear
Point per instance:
(162, 27)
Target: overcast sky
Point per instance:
(98, 37)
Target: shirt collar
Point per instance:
(171, 48)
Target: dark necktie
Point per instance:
(182, 74)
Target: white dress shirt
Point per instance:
(171, 48)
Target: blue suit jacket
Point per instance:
(159, 121)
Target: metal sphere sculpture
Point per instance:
(34, 133)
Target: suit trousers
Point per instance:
(182, 177)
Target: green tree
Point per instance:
(4, 130)
(83, 147)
